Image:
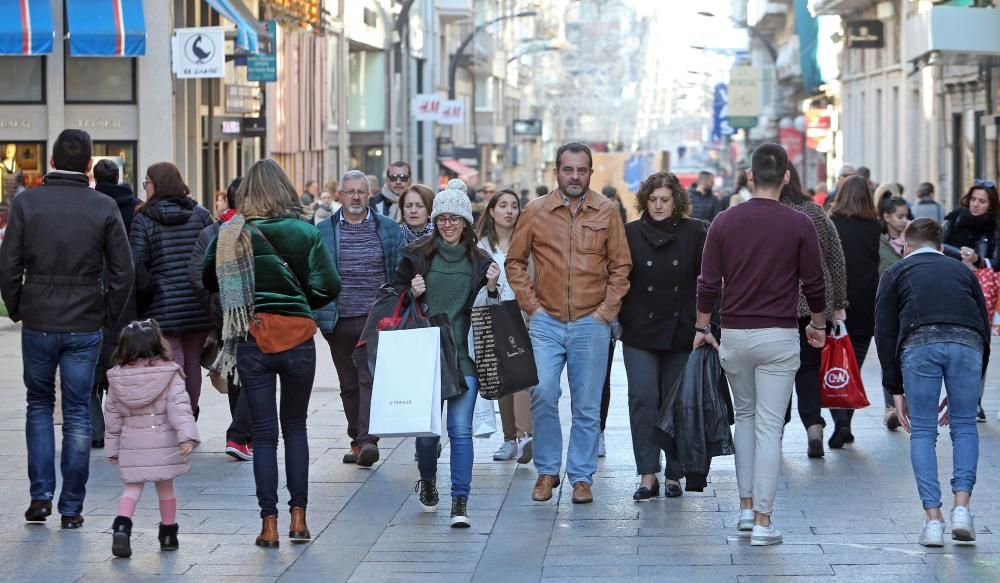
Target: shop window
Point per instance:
(22, 165)
(23, 80)
(123, 155)
(100, 80)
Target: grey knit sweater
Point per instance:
(834, 270)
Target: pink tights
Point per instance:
(164, 490)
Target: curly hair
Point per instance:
(682, 202)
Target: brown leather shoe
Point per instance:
(72, 521)
(582, 493)
(268, 533)
(543, 487)
(298, 532)
(352, 456)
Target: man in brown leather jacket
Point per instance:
(581, 260)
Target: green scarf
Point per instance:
(234, 267)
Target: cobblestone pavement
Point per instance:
(853, 516)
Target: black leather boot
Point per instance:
(121, 533)
(168, 537)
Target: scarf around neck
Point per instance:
(234, 268)
(412, 236)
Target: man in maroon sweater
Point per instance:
(761, 251)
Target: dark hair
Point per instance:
(72, 151)
(887, 204)
(741, 180)
(768, 164)
(609, 191)
(705, 174)
(406, 165)
(141, 340)
(541, 190)
(426, 250)
(682, 202)
(167, 183)
(487, 227)
(925, 189)
(310, 183)
(923, 233)
(575, 148)
(106, 171)
(231, 191)
(791, 193)
(854, 200)
(865, 172)
(991, 194)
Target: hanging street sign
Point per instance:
(199, 53)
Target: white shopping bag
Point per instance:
(484, 418)
(406, 391)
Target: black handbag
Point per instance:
(505, 361)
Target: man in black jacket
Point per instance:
(932, 325)
(704, 204)
(60, 238)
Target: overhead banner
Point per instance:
(199, 53)
(433, 107)
(720, 113)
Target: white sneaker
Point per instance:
(507, 451)
(602, 450)
(763, 536)
(745, 522)
(525, 449)
(962, 528)
(933, 534)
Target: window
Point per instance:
(485, 94)
(23, 80)
(123, 155)
(100, 80)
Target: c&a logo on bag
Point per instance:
(836, 378)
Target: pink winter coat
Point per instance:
(147, 414)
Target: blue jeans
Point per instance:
(460, 411)
(580, 346)
(75, 354)
(259, 374)
(924, 367)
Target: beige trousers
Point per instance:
(515, 414)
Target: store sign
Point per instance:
(199, 53)
(243, 99)
(14, 124)
(865, 34)
(89, 124)
(433, 107)
(253, 127)
(262, 66)
(744, 93)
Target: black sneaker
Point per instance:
(460, 512)
(428, 495)
(38, 511)
(980, 415)
(121, 533)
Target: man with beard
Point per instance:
(365, 247)
(581, 265)
(398, 179)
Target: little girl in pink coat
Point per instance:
(150, 429)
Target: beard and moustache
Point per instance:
(573, 190)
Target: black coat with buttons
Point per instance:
(658, 312)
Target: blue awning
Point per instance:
(106, 28)
(26, 27)
(249, 29)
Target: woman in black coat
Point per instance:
(164, 232)
(969, 232)
(854, 215)
(658, 315)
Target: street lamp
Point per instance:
(752, 30)
(453, 70)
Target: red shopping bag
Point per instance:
(839, 374)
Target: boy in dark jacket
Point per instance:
(932, 326)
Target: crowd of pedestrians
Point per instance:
(132, 298)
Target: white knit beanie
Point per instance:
(453, 200)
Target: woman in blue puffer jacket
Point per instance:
(164, 232)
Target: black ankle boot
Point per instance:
(168, 537)
(121, 533)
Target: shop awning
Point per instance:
(106, 28)
(26, 28)
(249, 29)
(461, 170)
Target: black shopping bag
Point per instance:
(504, 359)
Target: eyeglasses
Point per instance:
(142, 325)
(449, 219)
(146, 182)
(353, 193)
(984, 183)
(399, 177)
